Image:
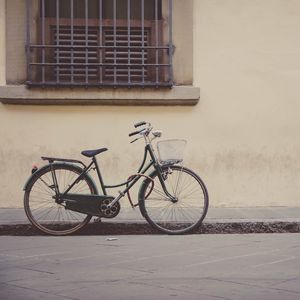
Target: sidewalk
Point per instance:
(16, 216)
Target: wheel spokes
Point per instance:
(41, 206)
(186, 211)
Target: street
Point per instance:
(206, 267)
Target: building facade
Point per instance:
(223, 74)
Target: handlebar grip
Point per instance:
(140, 124)
(134, 133)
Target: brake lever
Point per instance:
(136, 139)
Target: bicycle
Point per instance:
(61, 197)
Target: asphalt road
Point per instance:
(206, 267)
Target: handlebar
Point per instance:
(140, 124)
(144, 132)
(135, 132)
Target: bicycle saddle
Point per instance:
(91, 153)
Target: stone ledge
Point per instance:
(20, 94)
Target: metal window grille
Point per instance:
(99, 43)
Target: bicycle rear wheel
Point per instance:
(39, 200)
(182, 215)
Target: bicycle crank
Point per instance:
(108, 211)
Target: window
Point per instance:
(100, 43)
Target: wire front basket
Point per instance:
(171, 151)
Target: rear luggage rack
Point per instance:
(52, 159)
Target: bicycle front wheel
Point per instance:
(40, 205)
(185, 211)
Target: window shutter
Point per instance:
(79, 56)
(130, 62)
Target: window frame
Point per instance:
(159, 76)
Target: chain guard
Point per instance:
(95, 205)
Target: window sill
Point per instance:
(20, 94)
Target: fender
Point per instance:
(145, 181)
(38, 171)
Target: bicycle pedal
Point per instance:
(98, 220)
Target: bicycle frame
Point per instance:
(129, 183)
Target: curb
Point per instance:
(106, 228)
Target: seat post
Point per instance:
(99, 175)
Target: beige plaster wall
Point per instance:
(247, 64)
(31, 131)
(16, 40)
(243, 135)
(2, 42)
(183, 42)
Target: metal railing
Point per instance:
(100, 45)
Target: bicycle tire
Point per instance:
(40, 206)
(179, 217)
